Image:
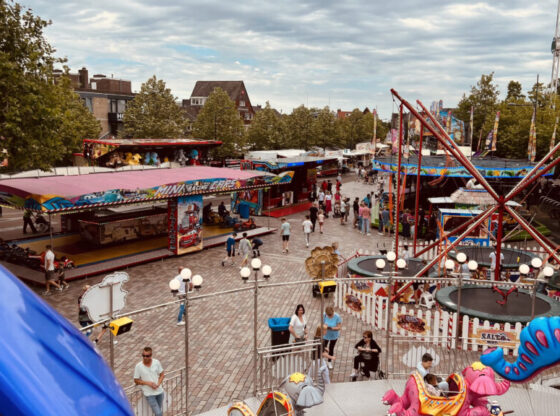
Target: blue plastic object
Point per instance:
(244, 210)
(47, 367)
(539, 348)
(279, 324)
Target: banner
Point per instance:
(471, 126)
(189, 224)
(495, 132)
(493, 337)
(553, 138)
(532, 150)
(454, 172)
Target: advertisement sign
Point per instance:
(172, 225)
(252, 198)
(412, 323)
(494, 337)
(189, 224)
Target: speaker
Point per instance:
(120, 326)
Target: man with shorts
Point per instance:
(148, 374)
(230, 249)
(50, 273)
(285, 232)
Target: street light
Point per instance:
(245, 272)
(461, 257)
(548, 271)
(380, 264)
(536, 262)
(175, 286)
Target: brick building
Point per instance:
(236, 91)
(105, 97)
(343, 114)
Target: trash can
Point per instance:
(243, 210)
(279, 331)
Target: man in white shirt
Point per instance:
(307, 228)
(180, 320)
(50, 271)
(148, 374)
(493, 263)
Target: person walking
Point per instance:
(321, 199)
(230, 249)
(343, 214)
(307, 226)
(27, 221)
(149, 374)
(83, 317)
(49, 271)
(321, 219)
(328, 203)
(245, 250)
(313, 212)
(182, 292)
(356, 209)
(285, 233)
(386, 218)
(366, 219)
(334, 325)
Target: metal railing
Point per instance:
(278, 362)
(174, 393)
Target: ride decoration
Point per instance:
(467, 397)
(313, 264)
(539, 348)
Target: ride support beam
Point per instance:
(527, 227)
(514, 192)
(523, 183)
(448, 142)
(398, 188)
(417, 201)
(500, 230)
(457, 154)
(482, 217)
(454, 231)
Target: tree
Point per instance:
(484, 99)
(153, 113)
(38, 123)
(357, 128)
(327, 129)
(514, 91)
(267, 130)
(300, 125)
(220, 120)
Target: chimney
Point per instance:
(83, 74)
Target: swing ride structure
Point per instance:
(499, 208)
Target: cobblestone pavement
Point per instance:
(221, 328)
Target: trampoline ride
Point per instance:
(512, 258)
(366, 266)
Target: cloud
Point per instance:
(346, 54)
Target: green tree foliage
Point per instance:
(41, 122)
(484, 99)
(357, 128)
(301, 128)
(153, 113)
(327, 129)
(267, 130)
(220, 120)
(514, 91)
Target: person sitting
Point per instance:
(423, 366)
(206, 212)
(432, 385)
(368, 353)
(222, 210)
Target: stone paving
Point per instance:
(221, 328)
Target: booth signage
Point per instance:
(189, 224)
(494, 337)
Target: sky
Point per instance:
(344, 54)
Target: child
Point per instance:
(230, 249)
(432, 385)
(307, 226)
(321, 219)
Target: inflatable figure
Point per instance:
(467, 395)
(539, 348)
(301, 390)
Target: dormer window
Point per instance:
(241, 103)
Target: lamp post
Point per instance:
(380, 264)
(245, 272)
(177, 286)
(524, 269)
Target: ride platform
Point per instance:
(91, 260)
(364, 399)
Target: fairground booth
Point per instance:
(114, 153)
(115, 219)
(292, 196)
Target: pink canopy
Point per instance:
(73, 185)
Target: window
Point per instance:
(241, 103)
(121, 106)
(114, 106)
(88, 103)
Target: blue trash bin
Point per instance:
(279, 331)
(243, 210)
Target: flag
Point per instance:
(488, 144)
(495, 132)
(471, 125)
(374, 128)
(532, 150)
(553, 138)
(448, 126)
